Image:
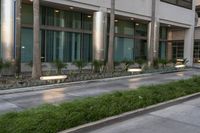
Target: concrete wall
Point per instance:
(139, 9)
(176, 15)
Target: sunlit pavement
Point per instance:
(21, 101)
(181, 118)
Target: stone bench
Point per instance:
(134, 70)
(53, 78)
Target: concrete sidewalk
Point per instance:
(21, 101)
(181, 118)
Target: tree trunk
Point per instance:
(36, 72)
(18, 37)
(110, 65)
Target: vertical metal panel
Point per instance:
(99, 35)
(7, 30)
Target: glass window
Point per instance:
(163, 33)
(87, 22)
(124, 27)
(123, 49)
(87, 48)
(140, 29)
(178, 50)
(26, 45)
(196, 51)
(182, 3)
(140, 49)
(162, 50)
(27, 14)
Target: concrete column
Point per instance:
(99, 35)
(189, 45)
(7, 30)
(153, 34)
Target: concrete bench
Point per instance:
(53, 78)
(180, 66)
(134, 70)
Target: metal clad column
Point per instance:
(99, 35)
(7, 30)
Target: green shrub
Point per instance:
(127, 64)
(51, 119)
(59, 66)
(163, 62)
(80, 65)
(98, 65)
(140, 62)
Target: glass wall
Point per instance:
(162, 54)
(130, 40)
(65, 35)
(197, 51)
(178, 49)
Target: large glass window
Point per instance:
(178, 50)
(182, 3)
(140, 49)
(141, 29)
(123, 49)
(66, 46)
(67, 19)
(26, 45)
(124, 27)
(162, 53)
(196, 51)
(27, 14)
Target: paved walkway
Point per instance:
(181, 118)
(20, 101)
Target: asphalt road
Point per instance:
(21, 101)
(181, 118)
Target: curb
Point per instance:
(125, 116)
(53, 86)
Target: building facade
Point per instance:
(78, 30)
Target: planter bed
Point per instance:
(55, 118)
(73, 76)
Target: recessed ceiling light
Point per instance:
(137, 24)
(132, 18)
(57, 11)
(89, 16)
(116, 20)
(71, 7)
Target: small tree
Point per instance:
(59, 66)
(80, 65)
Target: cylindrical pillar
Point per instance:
(99, 35)
(7, 30)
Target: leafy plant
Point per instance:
(80, 65)
(155, 63)
(163, 62)
(128, 63)
(98, 65)
(140, 62)
(59, 66)
(4, 65)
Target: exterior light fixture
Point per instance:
(71, 7)
(57, 11)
